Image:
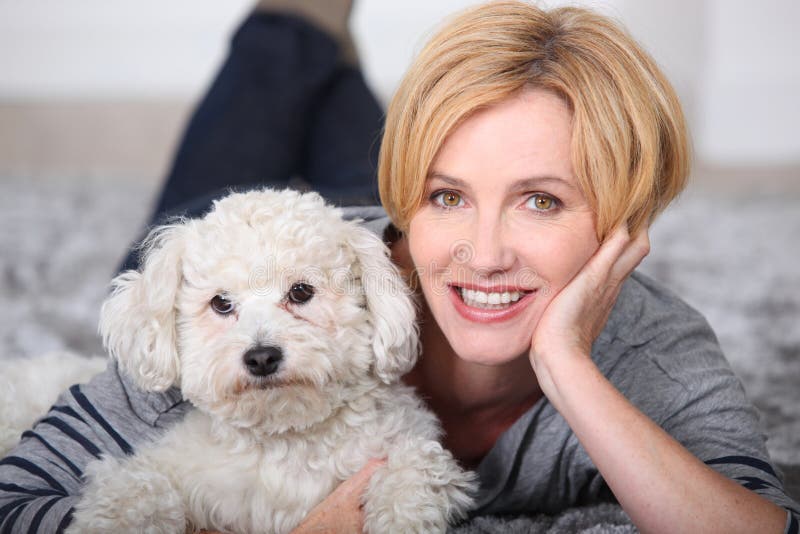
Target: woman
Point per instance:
(524, 156)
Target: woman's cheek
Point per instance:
(559, 252)
(430, 250)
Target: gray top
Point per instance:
(660, 353)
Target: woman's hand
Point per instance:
(341, 511)
(578, 313)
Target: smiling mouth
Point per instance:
(490, 300)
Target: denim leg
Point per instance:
(251, 126)
(272, 113)
(344, 140)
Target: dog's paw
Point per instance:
(127, 496)
(420, 489)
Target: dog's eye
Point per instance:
(300, 293)
(221, 305)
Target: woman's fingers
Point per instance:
(356, 484)
(635, 251)
(341, 510)
(600, 266)
(617, 257)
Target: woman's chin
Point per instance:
(491, 352)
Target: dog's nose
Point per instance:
(263, 360)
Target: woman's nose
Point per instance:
(489, 249)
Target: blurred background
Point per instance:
(102, 88)
(94, 95)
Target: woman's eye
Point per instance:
(300, 293)
(542, 202)
(448, 199)
(222, 305)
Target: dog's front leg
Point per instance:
(128, 495)
(420, 489)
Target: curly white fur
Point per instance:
(260, 451)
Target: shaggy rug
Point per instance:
(731, 254)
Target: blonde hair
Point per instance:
(629, 143)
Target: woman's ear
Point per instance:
(137, 321)
(396, 338)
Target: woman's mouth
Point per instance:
(490, 306)
(489, 301)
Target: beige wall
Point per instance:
(70, 140)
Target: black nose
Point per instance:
(263, 360)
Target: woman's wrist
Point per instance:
(559, 372)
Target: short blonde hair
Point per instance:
(629, 143)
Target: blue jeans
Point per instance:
(282, 107)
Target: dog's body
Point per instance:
(205, 474)
(288, 329)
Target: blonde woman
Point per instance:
(524, 156)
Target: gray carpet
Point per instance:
(730, 254)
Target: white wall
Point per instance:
(733, 62)
(111, 49)
(749, 89)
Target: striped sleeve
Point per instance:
(759, 476)
(40, 479)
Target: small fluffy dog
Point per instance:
(288, 329)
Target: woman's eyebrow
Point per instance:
(538, 181)
(520, 185)
(449, 180)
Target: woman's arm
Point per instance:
(41, 478)
(660, 484)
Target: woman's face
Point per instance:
(504, 226)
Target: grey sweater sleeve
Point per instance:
(40, 479)
(676, 373)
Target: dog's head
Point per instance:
(269, 309)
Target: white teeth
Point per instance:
(481, 299)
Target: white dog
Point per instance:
(288, 329)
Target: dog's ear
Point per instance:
(396, 340)
(137, 321)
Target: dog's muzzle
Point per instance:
(263, 360)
